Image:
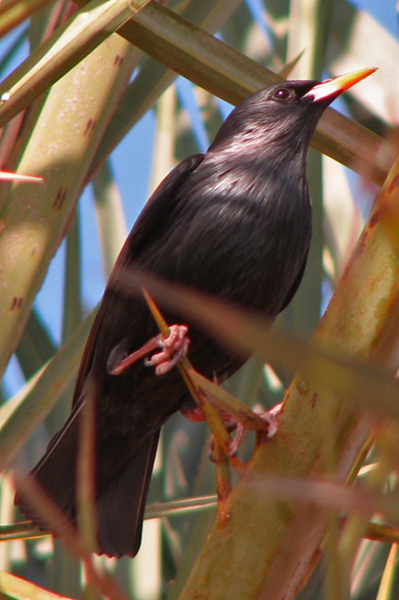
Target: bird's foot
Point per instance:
(196, 414)
(265, 424)
(173, 348)
(271, 419)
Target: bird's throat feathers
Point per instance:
(260, 140)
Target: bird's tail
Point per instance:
(120, 502)
(121, 505)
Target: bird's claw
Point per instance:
(173, 349)
(272, 419)
(234, 445)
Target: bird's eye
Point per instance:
(281, 94)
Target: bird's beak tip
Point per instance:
(337, 85)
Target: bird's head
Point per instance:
(282, 116)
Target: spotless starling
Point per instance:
(234, 222)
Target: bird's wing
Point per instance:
(59, 460)
(157, 210)
(153, 216)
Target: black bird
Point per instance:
(234, 222)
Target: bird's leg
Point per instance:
(173, 348)
(119, 362)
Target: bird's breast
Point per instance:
(240, 237)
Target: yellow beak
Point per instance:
(337, 85)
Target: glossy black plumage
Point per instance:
(234, 222)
